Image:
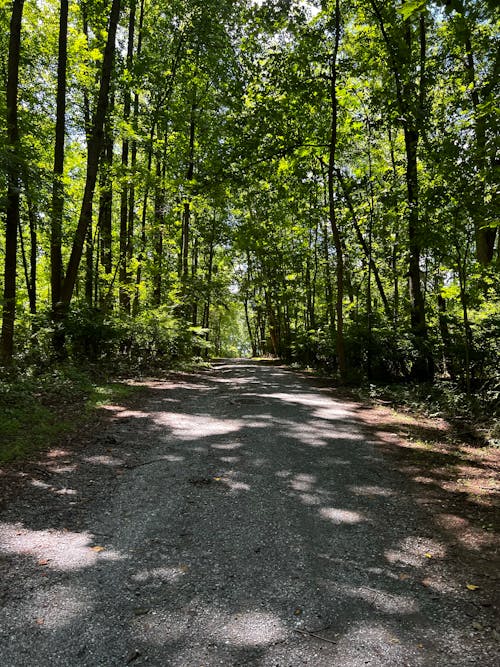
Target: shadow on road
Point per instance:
(239, 516)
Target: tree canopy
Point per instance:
(313, 180)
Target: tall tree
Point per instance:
(94, 149)
(58, 187)
(331, 176)
(13, 185)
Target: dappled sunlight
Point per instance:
(371, 491)
(339, 516)
(310, 499)
(227, 445)
(251, 628)
(415, 552)
(303, 482)
(240, 526)
(371, 635)
(51, 609)
(235, 485)
(466, 533)
(61, 550)
(104, 459)
(388, 603)
(183, 427)
(160, 574)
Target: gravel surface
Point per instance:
(236, 516)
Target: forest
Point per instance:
(312, 181)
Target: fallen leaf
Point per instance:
(404, 577)
(43, 561)
(217, 479)
(297, 612)
(472, 587)
(40, 621)
(184, 568)
(428, 555)
(97, 549)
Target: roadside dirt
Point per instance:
(249, 516)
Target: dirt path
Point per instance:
(238, 516)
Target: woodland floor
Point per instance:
(249, 515)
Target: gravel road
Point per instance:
(235, 516)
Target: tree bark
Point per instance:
(12, 216)
(337, 240)
(125, 241)
(57, 185)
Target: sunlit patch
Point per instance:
(173, 458)
(38, 484)
(339, 516)
(187, 427)
(163, 574)
(227, 445)
(62, 550)
(424, 480)
(415, 551)
(252, 629)
(113, 408)
(371, 491)
(66, 492)
(372, 637)
(57, 453)
(62, 469)
(136, 414)
(104, 460)
(309, 499)
(472, 537)
(50, 609)
(236, 486)
(389, 603)
(302, 482)
(229, 459)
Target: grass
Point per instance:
(38, 410)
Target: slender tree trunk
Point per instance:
(27, 277)
(125, 241)
(331, 199)
(58, 186)
(365, 246)
(485, 236)
(31, 269)
(407, 99)
(106, 200)
(12, 216)
(93, 154)
(186, 216)
(159, 219)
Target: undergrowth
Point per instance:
(39, 408)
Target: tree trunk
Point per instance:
(58, 186)
(331, 200)
(12, 216)
(125, 240)
(106, 200)
(95, 144)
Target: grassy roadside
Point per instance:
(38, 410)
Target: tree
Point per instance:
(13, 185)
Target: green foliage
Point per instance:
(211, 229)
(39, 407)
